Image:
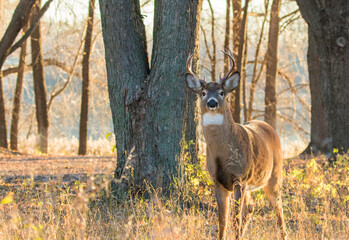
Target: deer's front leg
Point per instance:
(237, 209)
(222, 196)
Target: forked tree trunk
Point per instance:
(328, 23)
(85, 81)
(272, 65)
(39, 84)
(150, 107)
(18, 95)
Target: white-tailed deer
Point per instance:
(240, 157)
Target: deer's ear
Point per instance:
(193, 83)
(231, 83)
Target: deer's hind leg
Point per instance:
(247, 210)
(242, 210)
(272, 190)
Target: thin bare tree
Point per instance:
(241, 64)
(213, 44)
(272, 65)
(17, 96)
(257, 72)
(85, 81)
(19, 19)
(237, 17)
(7, 46)
(227, 36)
(39, 83)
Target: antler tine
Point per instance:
(190, 71)
(232, 63)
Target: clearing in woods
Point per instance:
(15, 167)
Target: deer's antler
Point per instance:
(189, 69)
(232, 63)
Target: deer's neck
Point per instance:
(219, 122)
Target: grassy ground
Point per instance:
(315, 201)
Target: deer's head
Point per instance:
(213, 94)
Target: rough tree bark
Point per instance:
(272, 65)
(328, 23)
(18, 95)
(318, 128)
(19, 19)
(39, 83)
(149, 107)
(85, 81)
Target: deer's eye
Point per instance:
(221, 93)
(203, 94)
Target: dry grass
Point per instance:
(315, 198)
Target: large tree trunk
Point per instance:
(39, 84)
(327, 22)
(18, 94)
(19, 19)
(85, 80)
(319, 142)
(149, 108)
(272, 65)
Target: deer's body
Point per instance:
(240, 158)
(244, 153)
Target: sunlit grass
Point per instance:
(315, 199)
(69, 146)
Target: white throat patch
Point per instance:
(212, 119)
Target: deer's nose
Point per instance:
(212, 104)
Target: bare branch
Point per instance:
(293, 110)
(289, 119)
(206, 43)
(32, 27)
(293, 89)
(289, 14)
(291, 20)
(145, 3)
(19, 19)
(47, 62)
(59, 91)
